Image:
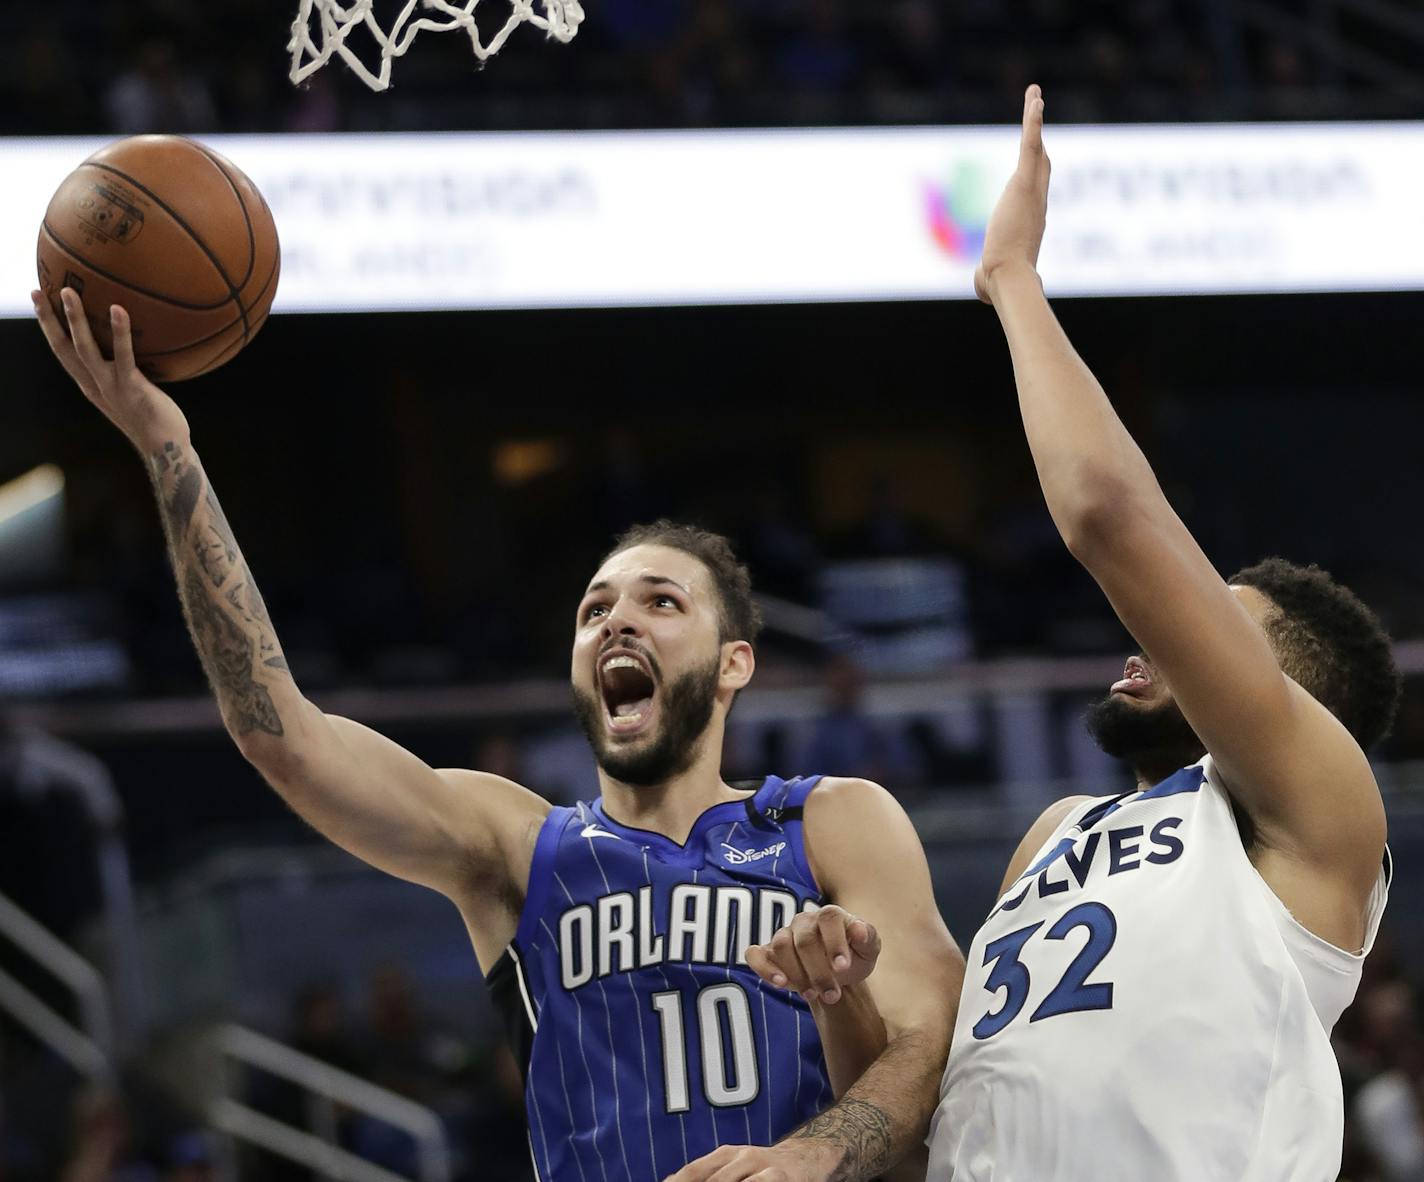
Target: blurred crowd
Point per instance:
(472, 1083)
(56, 1128)
(169, 66)
(1380, 1047)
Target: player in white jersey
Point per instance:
(1153, 993)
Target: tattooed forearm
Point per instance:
(172, 468)
(229, 622)
(861, 1130)
(226, 653)
(875, 1127)
(213, 544)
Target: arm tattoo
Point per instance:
(861, 1130)
(229, 622)
(226, 652)
(214, 545)
(187, 483)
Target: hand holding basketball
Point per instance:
(1015, 229)
(818, 954)
(138, 408)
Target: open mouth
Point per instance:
(628, 687)
(1136, 679)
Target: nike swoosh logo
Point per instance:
(595, 831)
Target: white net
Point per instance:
(332, 21)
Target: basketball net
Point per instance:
(335, 20)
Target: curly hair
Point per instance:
(739, 617)
(1330, 643)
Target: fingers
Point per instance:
(764, 965)
(1031, 144)
(704, 1167)
(80, 334)
(124, 365)
(781, 964)
(49, 323)
(831, 923)
(864, 939)
(731, 1163)
(61, 346)
(811, 951)
(818, 954)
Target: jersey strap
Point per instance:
(781, 805)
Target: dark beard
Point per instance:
(1155, 741)
(686, 707)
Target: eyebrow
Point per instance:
(647, 580)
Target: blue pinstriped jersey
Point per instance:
(646, 1040)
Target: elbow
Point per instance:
(266, 752)
(1102, 509)
(280, 742)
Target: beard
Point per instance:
(1156, 741)
(686, 708)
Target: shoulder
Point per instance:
(1055, 814)
(838, 801)
(851, 823)
(1039, 832)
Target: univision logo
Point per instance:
(958, 210)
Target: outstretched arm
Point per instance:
(361, 790)
(1287, 761)
(868, 860)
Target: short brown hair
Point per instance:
(738, 615)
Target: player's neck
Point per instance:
(1153, 769)
(672, 807)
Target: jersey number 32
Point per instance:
(1073, 992)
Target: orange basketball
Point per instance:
(179, 237)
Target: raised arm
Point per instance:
(868, 861)
(1287, 761)
(464, 834)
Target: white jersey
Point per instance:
(1140, 1005)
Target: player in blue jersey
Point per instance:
(616, 931)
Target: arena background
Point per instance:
(422, 494)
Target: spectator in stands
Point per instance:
(103, 1145)
(821, 56)
(1388, 1123)
(846, 741)
(158, 93)
(37, 81)
(321, 1027)
(190, 1159)
(400, 1049)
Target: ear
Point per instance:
(738, 665)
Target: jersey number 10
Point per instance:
(724, 1021)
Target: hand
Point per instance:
(801, 1159)
(1015, 229)
(818, 954)
(138, 408)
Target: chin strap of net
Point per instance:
(335, 20)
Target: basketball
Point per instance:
(177, 235)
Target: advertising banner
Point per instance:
(464, 221)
